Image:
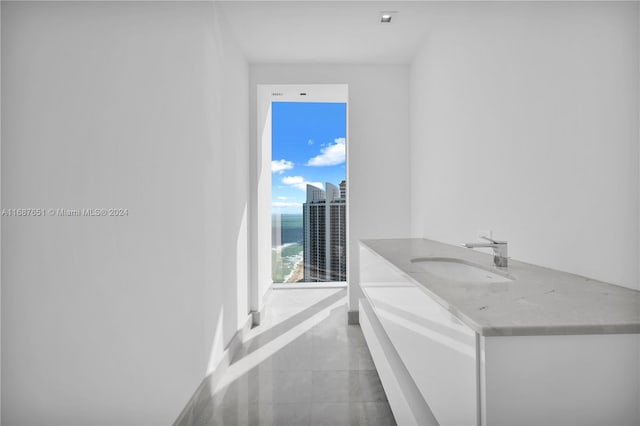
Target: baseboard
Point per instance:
(304, 286)
(353, 317)
(256, 316)
(211, 381)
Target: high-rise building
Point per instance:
(313, 220)
(325, 239)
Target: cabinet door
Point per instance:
(587, 380)
(438, 350)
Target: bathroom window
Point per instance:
(308, 192)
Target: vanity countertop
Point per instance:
(539, 301)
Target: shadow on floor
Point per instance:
(310, 368)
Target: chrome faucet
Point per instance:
(499, 250)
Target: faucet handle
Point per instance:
(491, 240)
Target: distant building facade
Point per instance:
(325, 233)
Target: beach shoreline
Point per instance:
(297, 274)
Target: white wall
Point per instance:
(260, 172)
(0, 216)
(144, 106)
(524, 120)
(377, 148)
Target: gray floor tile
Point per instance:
(378, 414)
(285, 414)
(324, 376)
(330, 386)
(367, 386)
(342, 357)
(344, 334)
(293, 356)
(337, 414)
(281, 386)
(347, 386)
(351, 413)
(237, 415)
(243, 391)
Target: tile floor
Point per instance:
(302, 366)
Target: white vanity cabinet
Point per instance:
(437, 369)
(436, 348)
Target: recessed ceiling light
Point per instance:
(386, 17)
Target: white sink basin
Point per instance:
(459, 270)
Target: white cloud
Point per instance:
(331, 155)
(292, 180)
(279, 166)
(300, 182)
(282, 198)
(283, 204)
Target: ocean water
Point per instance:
(286, 247)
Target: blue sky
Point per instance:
(307, 146)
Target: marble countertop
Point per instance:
(539, 301)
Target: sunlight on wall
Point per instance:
(241, 269)
(217, 347)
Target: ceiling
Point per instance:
(327, 31)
